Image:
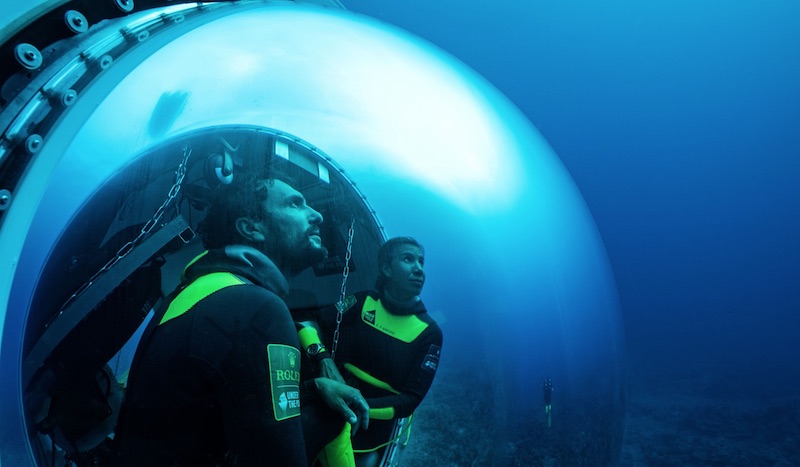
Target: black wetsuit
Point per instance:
(396, 346)
(218, 382)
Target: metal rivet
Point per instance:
(125, 5)
(5, 199)
(28, 56)
(76, 22)
(68, 97)
(143, 36)
(105, 61)
(33, 144)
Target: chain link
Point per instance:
(342, 304)
(146, 229)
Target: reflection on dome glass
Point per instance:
(148, 193)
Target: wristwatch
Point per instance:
(314, 349)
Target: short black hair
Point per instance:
(243, 197)
(387, 251)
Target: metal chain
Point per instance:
(180, 173)
(342, 304)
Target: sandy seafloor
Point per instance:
(695, 419)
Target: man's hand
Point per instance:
(328, 369)
(346, 400)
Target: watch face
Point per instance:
(313, 349)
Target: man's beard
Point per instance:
(305, 254)
(295, 256)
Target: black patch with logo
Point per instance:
(431, 360)
(368, 316)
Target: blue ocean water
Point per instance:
(679, 122)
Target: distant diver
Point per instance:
(548, 396)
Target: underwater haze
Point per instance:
(608, 194)
(679, 121)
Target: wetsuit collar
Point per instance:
(413, 306)
(244, 261)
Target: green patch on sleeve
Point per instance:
(284, 380)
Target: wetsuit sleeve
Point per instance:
(420, 378)
(260, 380)
(317, 326)
(323, 319)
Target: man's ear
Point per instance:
(386, 270)
(250, 230)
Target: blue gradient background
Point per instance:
(680, 123)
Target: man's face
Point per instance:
(404, 275)
(291, 229)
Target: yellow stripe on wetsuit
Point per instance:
(382, 413)
(201, 288)
(405, 328)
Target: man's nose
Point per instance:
(314, 217)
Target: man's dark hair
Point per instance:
(387, 252)
(244, 197)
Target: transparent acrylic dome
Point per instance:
(517, 274)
